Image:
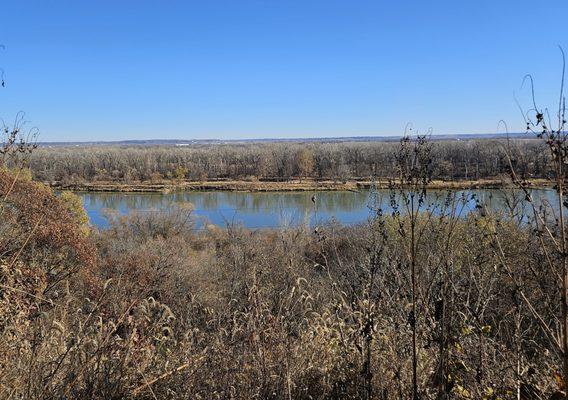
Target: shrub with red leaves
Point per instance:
(37, 227)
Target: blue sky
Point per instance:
(110, 70)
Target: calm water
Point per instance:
(274, 209)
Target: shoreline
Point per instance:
(306, 185)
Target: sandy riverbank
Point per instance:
(273, 186)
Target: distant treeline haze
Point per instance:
(456, 160)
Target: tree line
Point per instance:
(453, 160)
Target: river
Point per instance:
(277, 209)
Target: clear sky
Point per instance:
(110, 70)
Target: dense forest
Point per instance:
(453, 160)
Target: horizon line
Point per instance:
(487, 135)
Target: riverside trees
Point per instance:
(453, 160)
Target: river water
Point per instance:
(277, 209)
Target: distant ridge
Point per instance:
(189, 142)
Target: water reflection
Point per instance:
(273, 209)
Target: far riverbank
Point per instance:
(304, 185)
